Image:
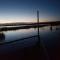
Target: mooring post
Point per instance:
(51, 27)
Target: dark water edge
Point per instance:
(18, 52)
(49, 49)
(9, 28)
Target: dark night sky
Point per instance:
(25, 10)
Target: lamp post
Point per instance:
(38, 27)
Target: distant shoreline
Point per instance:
(30, 23)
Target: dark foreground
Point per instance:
(47, 48)
(19, 51)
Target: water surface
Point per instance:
(49, 38)
(45, 32)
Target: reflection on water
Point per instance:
(51, 28)
(8, 36)
(2, 36)
(49, 38)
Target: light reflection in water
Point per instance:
(21, 33)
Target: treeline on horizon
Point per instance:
(29, 23)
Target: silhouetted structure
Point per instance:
(38, 21)
(2, 36)
(51, 27)
(38, 27)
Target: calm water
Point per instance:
(45, 33)
(49, 38)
